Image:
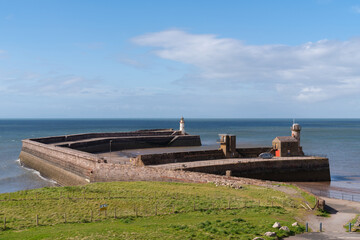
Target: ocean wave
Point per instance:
(36, 173)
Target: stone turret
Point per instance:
(182, 125)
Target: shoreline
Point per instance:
(325, 189)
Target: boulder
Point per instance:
(285, 228)
(270, 234)
(295, 224)
(276, 225)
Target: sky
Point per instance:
(167, 59)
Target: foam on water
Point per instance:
(37, 173)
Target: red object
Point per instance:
(277, 153)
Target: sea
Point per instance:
(336, 139)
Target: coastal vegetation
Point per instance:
(150, 210)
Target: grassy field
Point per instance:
(148, 210)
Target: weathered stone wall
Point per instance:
(164, 158)
(118, 144)
(77, 137)
(300, 169)
(252, 152)
(75, 162)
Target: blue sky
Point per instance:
(124, 59)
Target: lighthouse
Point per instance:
(295, 132)
(182, 125)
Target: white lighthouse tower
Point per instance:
(295, 131)
(182, 125)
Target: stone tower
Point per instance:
(182, 125)
(295, 131)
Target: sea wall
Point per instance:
(164, 158)
(78, 137)
(190, 156)
(131, 142)
(66, 166)
(252, 152)
(294, 169)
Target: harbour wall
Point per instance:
(296, 169)
(73, 167)
(176, 157)
(122, 143)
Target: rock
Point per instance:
(285, 228)
(276, 225)
(258, 238)
(295, 224)
(270, 234)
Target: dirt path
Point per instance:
(341, 212)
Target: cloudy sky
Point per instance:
(131, 59)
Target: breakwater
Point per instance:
(83, 158)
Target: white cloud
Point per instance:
(312, 71)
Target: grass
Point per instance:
(353, 221)
(147, 210)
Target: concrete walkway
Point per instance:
(341, 211)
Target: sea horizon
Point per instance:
(334, 138)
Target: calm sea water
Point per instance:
(337, 139)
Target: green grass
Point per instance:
(147, 210)
(353, 221)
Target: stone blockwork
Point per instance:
(71, 167)
(165, 158)
(303, 169)
(48, 159)
(252, 152)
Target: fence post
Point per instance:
(115, 213)
(91, 216)
(4, 223)
(320, 227)
(229, 203)
(64, 217)
(194, 207)
(307, 227)
(349, 227)
(155, 209)
(37, 220)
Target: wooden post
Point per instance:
(229, 204)
(156, 209)
(91, 216)
(64, 217)
(4, 223)
(115, 213)
(194, 207)
(173, 206)
(37, 220)
(105, 213)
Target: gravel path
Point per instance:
(342, 211)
